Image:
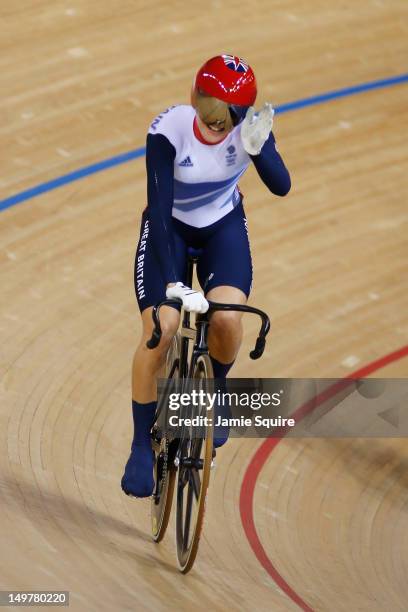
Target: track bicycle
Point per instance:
(188, 458)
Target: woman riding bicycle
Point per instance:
(195, 155)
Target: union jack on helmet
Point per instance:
(235, 63)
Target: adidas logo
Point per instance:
(186, 162)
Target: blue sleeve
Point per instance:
(160, 155)
(271, 168)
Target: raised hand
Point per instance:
(256, 128)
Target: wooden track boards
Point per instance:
(81, 82)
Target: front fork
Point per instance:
(201, 341)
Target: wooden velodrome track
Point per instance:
(324, 522)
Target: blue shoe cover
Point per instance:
(138, 477)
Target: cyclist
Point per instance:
(195, 155)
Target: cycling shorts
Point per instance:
(225, 257)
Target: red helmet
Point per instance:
(230, 79)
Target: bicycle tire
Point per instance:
(164, 468)
(187, 551)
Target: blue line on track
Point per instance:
(342, 93)
(117, 160)
(70, 177)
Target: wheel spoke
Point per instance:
(184, 478)
(195, 482)
(189, 507)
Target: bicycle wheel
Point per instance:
(195, 458)
(164, 451)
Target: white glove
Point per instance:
(193, 301)
(256, 128)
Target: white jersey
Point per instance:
(205, 176)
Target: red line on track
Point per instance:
(266, 448)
